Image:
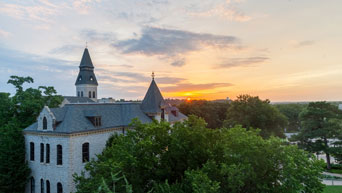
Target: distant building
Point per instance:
(340, 106)
(64, 139)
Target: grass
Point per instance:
(332, 189)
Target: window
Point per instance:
(93, 94)
(41, 185)
(44, 123)
(163, 114)
(41, 152)
(89, 94)
(59, 155)
(91, 78)
(59, 188)
(32, 185)
(174, 112)
(78, 93)
(80, 78)
(85, 152)
(97, 121)
(47, 186)
(47, 153)
(81, 93)
(123, 130)
(31, 151)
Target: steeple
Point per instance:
(86, 83)
(153, 102)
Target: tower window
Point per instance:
(81, 93)
(85, 152)
(59, 155)
(47, 186)
(80, 78)
(32, 185)
(93, 94)
(41, 185)
(41, 152)
(44, 123)
(59, 188)
(47, 153)
(91, 78)
(31, 151)
(78, 93)
(89, 94)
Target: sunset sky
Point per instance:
(283, 50)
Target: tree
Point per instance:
(251, 112)
(291, 111)
(212, 112)
(14, 171)
(188, 157)
(16, 113)
(321, 125)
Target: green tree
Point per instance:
(214, 113)
(320, 125)
(292, 112)
(14, 171)
(251, 112)
(188, 157)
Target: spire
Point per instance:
(153, 100)
(86, 74)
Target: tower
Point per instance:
(86, 83)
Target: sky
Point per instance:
(284, 50)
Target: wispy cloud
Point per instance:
(235, 62)
(303, 43)
(169, 43)
(4, 33)
(188, 87)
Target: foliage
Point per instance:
(13, 168)
(212, 112)
(16, 113)
(188, 157)
(291, 111)
(251, 112)
(321, 124)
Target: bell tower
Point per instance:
(86, 83)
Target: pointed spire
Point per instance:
(86, 60)
(153, 100)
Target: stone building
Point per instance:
(64, 139)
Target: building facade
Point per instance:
(64, 139)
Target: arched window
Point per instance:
(47, 153)
(59, 188)
(81, 93)
(85, 152)
(59, 155)
(89, 94)
(78, 93)
(41, 152)
(93, 94)
(47, 186)
(41, 185)
(32, 185)
(44, 123)
(31, 151)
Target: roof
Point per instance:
(86, 74)
(72, 99)
(73, 118)
(153, 99)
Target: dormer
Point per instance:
(46, 120)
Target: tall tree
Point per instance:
(251, 112)
(292, 112)
(320, 127)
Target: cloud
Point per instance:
(66, 49)
(194, 87)
(4, 33)
(234, 62)
(304, 43)
(180, 62)
(158, 41)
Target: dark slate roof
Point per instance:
(73, 99)
(153, 99)
(72, 118)
(86, 74)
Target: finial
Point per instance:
(152, 75)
